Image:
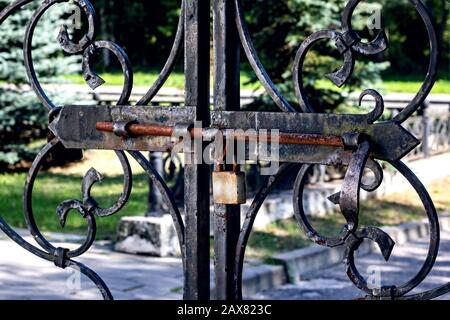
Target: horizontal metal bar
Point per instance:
(76, 127)
(199, 133)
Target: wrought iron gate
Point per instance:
(306, 138)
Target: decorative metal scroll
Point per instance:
(87, 206)
(349, 45)
(361, 143)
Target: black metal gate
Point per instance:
(305, 138)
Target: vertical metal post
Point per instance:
(197, 176)
(155, 201)
(226, 97)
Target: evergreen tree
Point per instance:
(279, 28)
(23, 119)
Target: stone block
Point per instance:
(155, 236)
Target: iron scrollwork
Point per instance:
(349, 44)
(362, 144)
(87, 207)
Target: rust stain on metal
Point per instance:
(229, 188)
(197, 133)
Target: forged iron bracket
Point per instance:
(305, 139)
(76, 127)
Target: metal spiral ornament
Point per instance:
(356, 141)
(86, 206)
(359, 157)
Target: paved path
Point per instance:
(24, 276)
(129, 277)
(333, 284)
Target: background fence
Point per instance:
(431, 125)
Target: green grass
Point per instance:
(413, 85)
(147, 78)
(286, 235)
(51, 189)
(398, 84)
(141, 78)
(396, 209)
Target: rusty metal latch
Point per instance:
(306, 138)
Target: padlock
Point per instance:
(229, 186)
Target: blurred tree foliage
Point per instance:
(23, 118)
(409, 47)
(146, 29)
(280, 27)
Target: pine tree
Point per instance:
(23, 119)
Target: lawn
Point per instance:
(412, 85)
(54, 187)
(398, 84)
(286, 235)
(51, 189)
(147, 78)
(393, 210)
